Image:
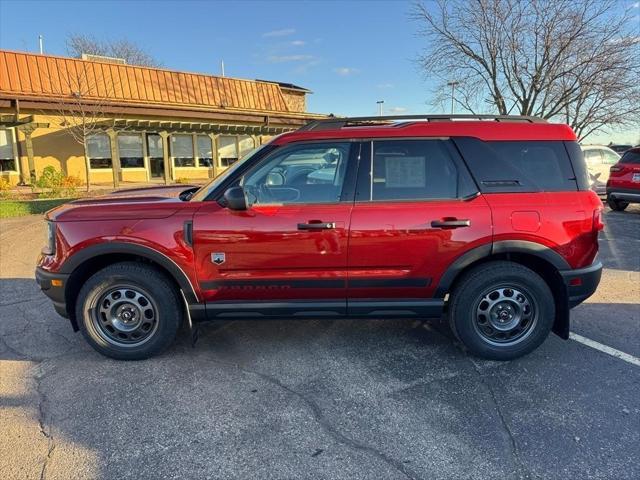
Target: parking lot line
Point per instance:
(605, 349)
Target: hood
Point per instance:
(135, 203)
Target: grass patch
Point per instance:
(20, 208)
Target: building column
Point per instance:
(213, 171)
(27, 175)
(145, 156)
(115, 157)
(165, 156)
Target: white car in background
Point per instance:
(599, 160)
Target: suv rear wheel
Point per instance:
(617, 205)
(501, 310)
(129, 311)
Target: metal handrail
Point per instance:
(337, 123)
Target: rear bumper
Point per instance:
(55, 292)
(581, 283)
(625, 194)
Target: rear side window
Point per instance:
(413, 170)
(631, 157)
(519, 166)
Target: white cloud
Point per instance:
(289, 58)
(385, 85)
(298, 43)
(396, 110)
(280, 33)
(636, 5)
(345, 71)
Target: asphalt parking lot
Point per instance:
(319, 399)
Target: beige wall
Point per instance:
(55, 146)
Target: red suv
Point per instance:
(623, 186)
(489, 221)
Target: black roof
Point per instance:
(290, 86)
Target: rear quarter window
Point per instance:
(519, 166)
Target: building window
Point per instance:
(227, 150)
(130, 149)
(99, 151)
(246, 144)
(7, 157)
(182, 151)
(156, 155)
(205, 151)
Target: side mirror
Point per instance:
(236, 199)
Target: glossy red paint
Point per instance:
(478, 129)
(566, 222)
(621, 175)
(374, 250)
(396, 241)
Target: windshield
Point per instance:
(206, 189)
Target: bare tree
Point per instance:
(81, 107)
(78, 44)
(572, 60)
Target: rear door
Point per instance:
(417, 210)
(286, 254)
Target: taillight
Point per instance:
(597, 220)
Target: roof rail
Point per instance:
(332, 123)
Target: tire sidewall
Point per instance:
(470, 291)
(149, 280)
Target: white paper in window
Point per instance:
(405, 172)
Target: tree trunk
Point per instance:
(87, 167)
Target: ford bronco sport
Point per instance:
(487, 220)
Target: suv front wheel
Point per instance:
(501, 310)
(129, 311)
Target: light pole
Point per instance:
(453, 84)
(380, 102)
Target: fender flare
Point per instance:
(88, 253)
(504, 246)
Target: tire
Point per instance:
(617, 205)
(129, 311)
(501, 310)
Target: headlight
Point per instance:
(50, 248)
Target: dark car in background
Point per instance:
(620, 149)
(623, 186)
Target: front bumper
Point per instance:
(54, 290)
(581, 283)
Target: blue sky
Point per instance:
(350, 54)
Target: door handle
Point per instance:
(450, 223)
(316, 226)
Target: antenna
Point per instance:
(222, 65)
(40, 41)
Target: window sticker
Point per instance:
(405, 172)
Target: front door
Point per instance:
(287, 254)
(416, 211)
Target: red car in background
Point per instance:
(623, 186)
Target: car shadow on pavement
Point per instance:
(309, 399)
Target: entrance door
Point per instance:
(156, 157)
(416, 211)
(286, 254)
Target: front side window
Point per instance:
(610, 157)
(592, 157)
(182, 151)
(246, 144)
(7, 158)
(130, 150)
(312, 173)
(99, 151)
(227, 150)
(414, 170)
(205, 151)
